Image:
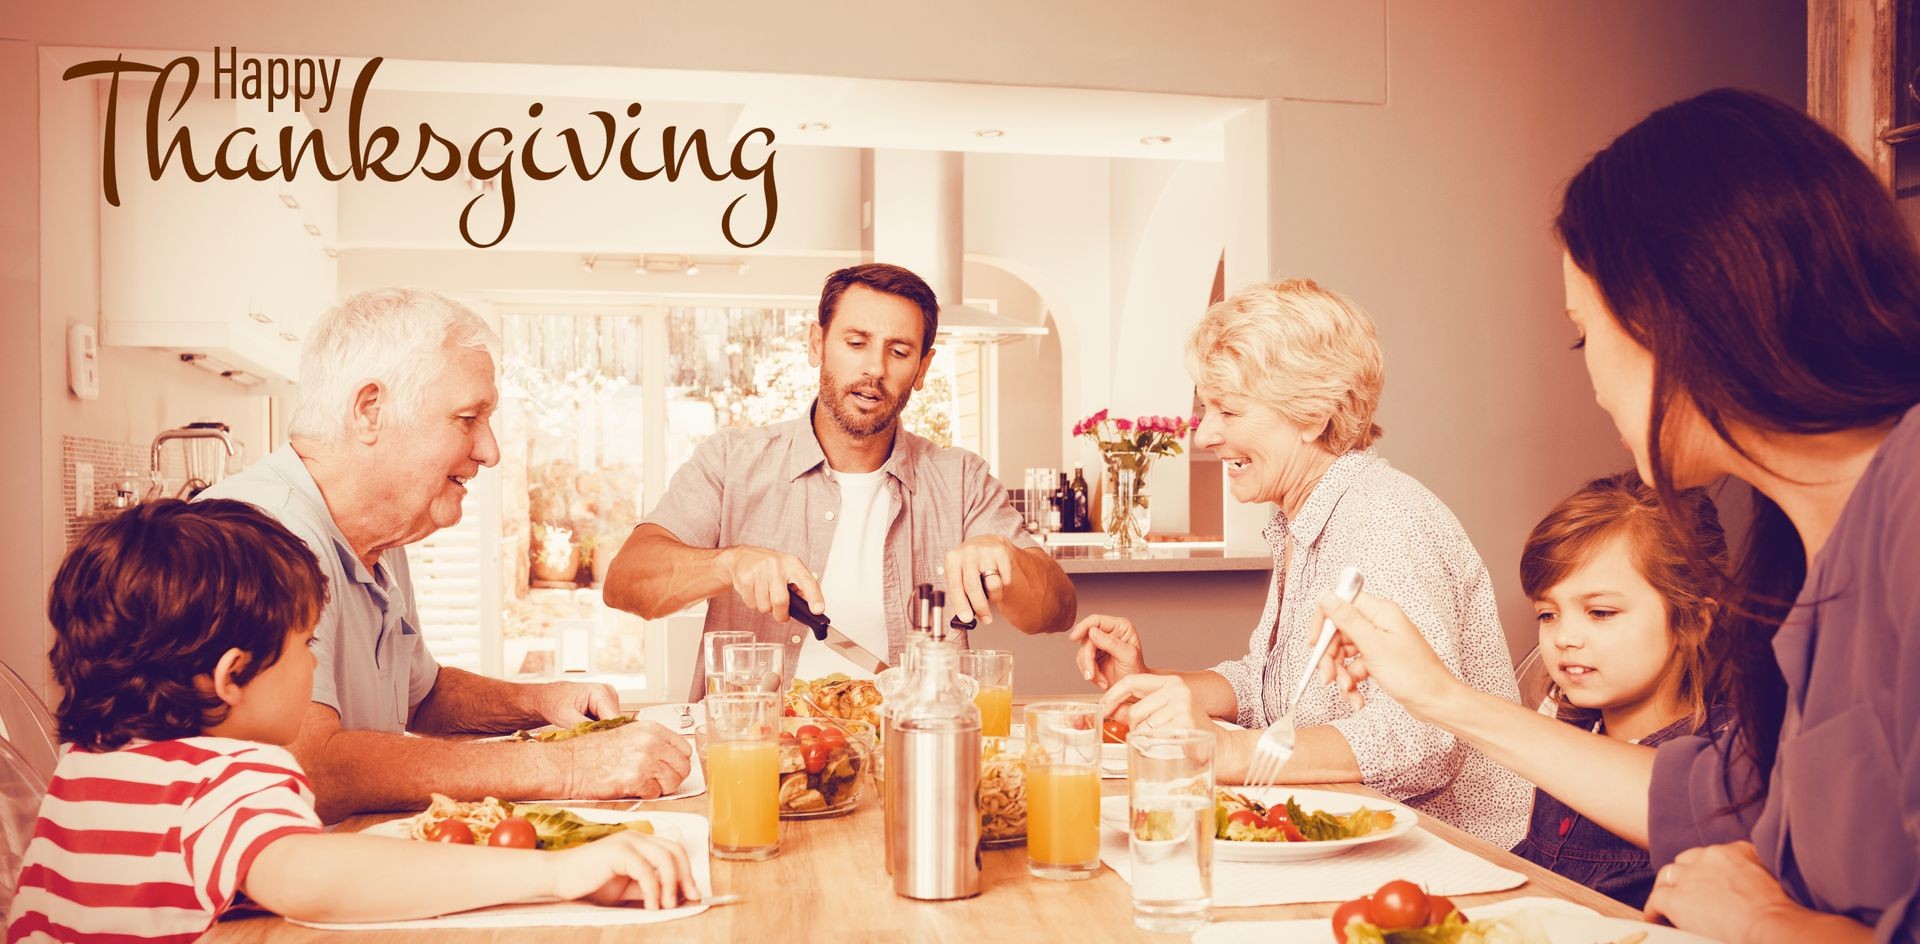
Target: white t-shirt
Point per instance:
(853, 576)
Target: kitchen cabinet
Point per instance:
(233, 272)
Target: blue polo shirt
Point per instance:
(373, 665)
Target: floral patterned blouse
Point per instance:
(1364, 513)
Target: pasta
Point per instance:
(481, 817)
(1003, 794)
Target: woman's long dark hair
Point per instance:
(1769, 274)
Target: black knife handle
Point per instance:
(798, 608)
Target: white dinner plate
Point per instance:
(664, 828)
(1113, 814)
(1563, 923)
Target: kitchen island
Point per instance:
(1193, 607)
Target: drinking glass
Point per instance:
(753, 667)
(1170, 839)
(743, 774)
(993, 670)
(712, 646)
(1063, 789)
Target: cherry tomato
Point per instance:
(451, 830)
(806, 731)
(1438, 907)
(1398, 905)
(788, 712)
(815, 755)
(1247, 817)
(788, 738)
(833, 738)
(1277, 818)
(1114, 732)
(1355, 910)
(513, 833)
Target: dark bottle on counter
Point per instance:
(1063, 505)
(1082, 510)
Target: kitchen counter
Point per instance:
(1159, 559)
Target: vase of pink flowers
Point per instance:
(1128, 448)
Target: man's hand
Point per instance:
(761, 576)
(569, 703)
(1109, 649)
(641, 759)
(978, 573)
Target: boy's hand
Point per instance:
(626, 867)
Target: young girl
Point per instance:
(181, 636)
(1623, 634)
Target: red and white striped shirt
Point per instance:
(150, 842)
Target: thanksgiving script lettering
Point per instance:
(300, 82)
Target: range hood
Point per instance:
(913, 215)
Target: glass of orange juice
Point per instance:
(993, 669)
(743, 774)
(1063, 789)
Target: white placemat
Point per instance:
(1303, 930)
(689, 829)
(1419, 857)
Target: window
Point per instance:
(599, 406)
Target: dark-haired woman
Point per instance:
(1749, 304)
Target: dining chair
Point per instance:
(26, 724)
(1534, 681)
(21, 788)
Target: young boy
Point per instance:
(181, 643)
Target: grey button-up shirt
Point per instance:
(770, 487)
(373, 666)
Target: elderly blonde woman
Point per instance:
(391, 421)
(1290, 375)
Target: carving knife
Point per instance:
(823, 630)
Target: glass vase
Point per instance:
(1127, 515)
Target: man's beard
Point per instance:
(848, 417)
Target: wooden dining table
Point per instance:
(829, 883)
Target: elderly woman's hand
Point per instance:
(1109, 649)
(1150, 702)
(1378, 642)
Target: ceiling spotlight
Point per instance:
(989, 133)
(289, 336)
(331, 252)
(312, 230)
(693, 268)
(1155, 139)
(640, 266)
(743, 268)
(288, 199)
(587, 262)
(814, 126)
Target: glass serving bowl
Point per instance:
(824, 766)
(1003, 793)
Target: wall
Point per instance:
(141, 391)
(23, 478)
(1433, 211)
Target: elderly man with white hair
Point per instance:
(392, 420)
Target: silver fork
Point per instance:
(1275, 746)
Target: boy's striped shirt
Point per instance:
(150, 842)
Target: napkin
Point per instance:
(688, 828)
(1419, 857)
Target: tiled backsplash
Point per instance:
(110, 461)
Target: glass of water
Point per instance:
(753, 667)
(1170, 836)
(711, 648)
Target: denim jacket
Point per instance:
(1565, 842)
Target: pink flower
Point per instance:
(1097, 417)
(1078, 429)
(1121, 425)
(1196, 420)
